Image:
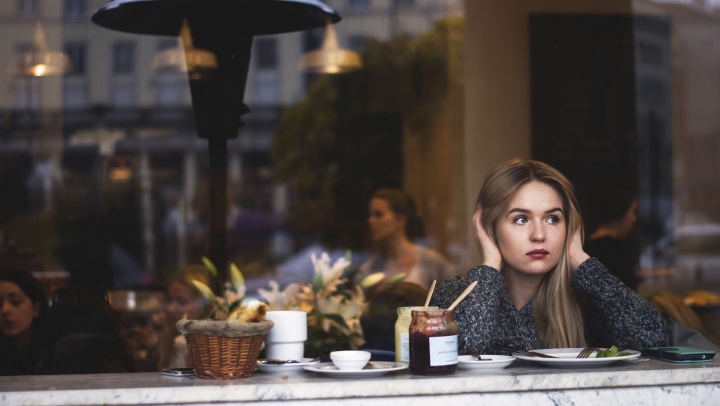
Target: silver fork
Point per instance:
(587, 352)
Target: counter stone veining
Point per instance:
(654, 381)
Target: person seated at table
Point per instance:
(613, 213)
(83, 335)
(183, 300)
(23, 305)
(394, 224)
(537, 287)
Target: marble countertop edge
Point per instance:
(152, 388)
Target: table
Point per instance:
(642, 381)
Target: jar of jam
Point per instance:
(402, 329)
(433, 342)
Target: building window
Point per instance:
(77, 53)
(123, 62)
(27, 92)
(359, 5)
(405, 3)
(170, 89)
(266, 53)
(123, 91)
(74, 9)
(74, 92)
(27, 8)
(167, 43)
(266, 87)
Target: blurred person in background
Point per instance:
(23, 305)
(82, 335)
(395, 227)
(183, 301)
(612, 218)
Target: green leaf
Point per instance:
(206, 292)
(317, 282)
(372, 279)
(237, 278)
(395, 279)
(210, 266)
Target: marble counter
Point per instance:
(638, 382)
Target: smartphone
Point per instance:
(679, 354)
(180, 372)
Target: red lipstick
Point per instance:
(538, 254)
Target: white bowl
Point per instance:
(350, 360)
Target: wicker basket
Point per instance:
(226, 350)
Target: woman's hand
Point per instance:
(576, 253)
(488, 248)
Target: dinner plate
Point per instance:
(284, 369)
(471, 363)
(567, 357)
(377, 368)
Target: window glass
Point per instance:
(27, 8)
(123, 57)
(107, 180)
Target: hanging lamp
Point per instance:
(185, 57)
(40, 61)
(330, 58)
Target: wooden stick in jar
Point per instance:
(432, 288)
(462, 295)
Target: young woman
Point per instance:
(394, 225)
(183, 300)
(23, 305)
(537, 287)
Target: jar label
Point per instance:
(443, 350)
(404, 347)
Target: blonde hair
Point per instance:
(557, 310)
(187, 274)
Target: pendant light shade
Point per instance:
(330, 58)
(185, 57)
(39, 61)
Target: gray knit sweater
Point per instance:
(487, 318)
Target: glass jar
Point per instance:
(433, 342)
(402, 327)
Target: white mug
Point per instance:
(286, 339)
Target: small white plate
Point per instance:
(567, 357)
(284, 369)
(471, 363)
(377, 368)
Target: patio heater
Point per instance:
(225, 28)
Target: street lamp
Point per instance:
(225, 28)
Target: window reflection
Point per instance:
(103, 180)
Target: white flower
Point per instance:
(329, 273)
(295, 296)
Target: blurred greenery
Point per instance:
(344, 139)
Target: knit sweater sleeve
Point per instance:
(614, 313)
(478, 314)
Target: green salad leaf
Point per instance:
(611, 352)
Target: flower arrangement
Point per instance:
(333, 306)
(232, 305)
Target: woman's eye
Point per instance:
(520, 220)
(553, 219)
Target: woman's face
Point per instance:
(531, 233)
(17, 311)
(183, 301)
(382, 221)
